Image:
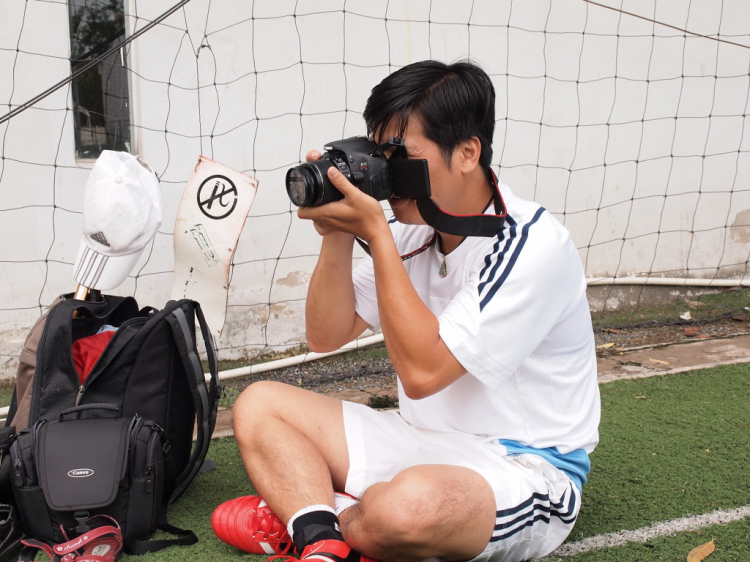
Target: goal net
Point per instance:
(626, 120)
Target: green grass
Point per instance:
(671, 447)
(682, 450)
(6, 392)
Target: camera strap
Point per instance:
(465, 225)
(459, 225)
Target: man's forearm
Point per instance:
(330, 315)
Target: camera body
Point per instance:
(365, 165)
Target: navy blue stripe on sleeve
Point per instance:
(497, 256)
(488, 258)
(511, 262)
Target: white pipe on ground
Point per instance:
(298, 359)
(668, 281)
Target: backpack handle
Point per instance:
(97, 406)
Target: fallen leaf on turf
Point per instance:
(605, 345)
(613, 331)
(691, 330)
(700, 552)
(659, 361)
(641, 397)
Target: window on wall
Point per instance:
(101, 102)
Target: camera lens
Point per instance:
(301, 186)
(296, 186)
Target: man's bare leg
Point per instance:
(293, 445)
(425, 511)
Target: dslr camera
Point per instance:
(366, 166)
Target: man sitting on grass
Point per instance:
(490, 337)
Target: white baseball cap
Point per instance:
(121, 213)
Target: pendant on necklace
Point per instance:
(443, 270)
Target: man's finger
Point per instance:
(308, 213)
(340, 182)
(313, 155)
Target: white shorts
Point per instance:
(537, 504)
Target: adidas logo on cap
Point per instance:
(99, 237)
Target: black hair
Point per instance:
(453, 103)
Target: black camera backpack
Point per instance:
(120, 444)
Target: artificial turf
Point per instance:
(671, 447)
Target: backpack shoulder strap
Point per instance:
(205, 398)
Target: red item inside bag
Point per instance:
(86, 352)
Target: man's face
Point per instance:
(444, 180)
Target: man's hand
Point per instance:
(320, 228)
(356, 214)
(422, 360)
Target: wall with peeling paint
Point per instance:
(633, 134)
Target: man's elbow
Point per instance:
(418, 386)
(320, 345)
(419, 382)
(324, 341)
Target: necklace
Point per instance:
(443, 271)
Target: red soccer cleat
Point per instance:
(249, 524)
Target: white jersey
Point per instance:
(513, 311)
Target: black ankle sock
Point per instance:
(313, 527)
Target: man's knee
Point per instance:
(399, 515)
(419, 512)
(264, 404)
(257, 401)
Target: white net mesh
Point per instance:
(632, 132)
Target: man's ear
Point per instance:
(467, 154)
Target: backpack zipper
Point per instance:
(81, 390)
(150, 466)
(35, 444)
(133, 429)
(19, 475)
(19, 472)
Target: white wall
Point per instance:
(631, 133)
